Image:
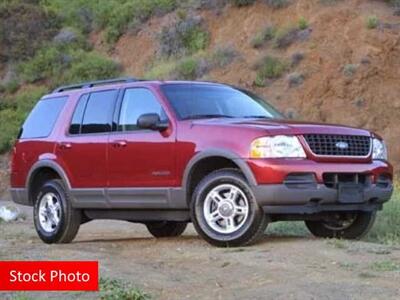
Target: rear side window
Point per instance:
(76, 123)
(97, 116)
(41, 120)
(136, 102)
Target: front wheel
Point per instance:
(224, 210)
(351, 226)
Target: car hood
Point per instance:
(280, 126)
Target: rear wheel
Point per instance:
(166, 228)
(55, 219)
(224, 210)
(353, 225)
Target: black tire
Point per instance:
(166, 228)
(253, 227)
(70, 218)
(359, 227)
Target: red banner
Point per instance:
(49, 276)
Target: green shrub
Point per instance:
(350, 69)
(10, 122)
(284, 37)
(13, 113)
(11, 86)
(130, 14)
(372, 22)
(387, 224)
(269, 68)
(186, 37)
(23, 29)
(113, 16)
(222, 56)
(87, 66)
(187, 69)
(262, 37)
(112, 289)
(63, 65)
(161, 70)
(47, 63)
(303, 23)
(240, 3)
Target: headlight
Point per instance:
(280, 146)
(379, 150)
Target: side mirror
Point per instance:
(151, 121)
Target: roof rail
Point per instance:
(93, 83)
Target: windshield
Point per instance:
(198, 101)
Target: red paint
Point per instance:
(154, 159)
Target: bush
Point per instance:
(187, 69)
(23, 29)
(184, 38)
(64, 65)
(222, 56)
(277, 3)
(269, 68)
(88, 66)
(112, 289)
(296, 58)
(13, 112)
(11, 86)
(48, 62)
(285, 37)
(132, 13)
(386, 227)
(349, 69)
(262, 37)
(303, 23)
(372, 22)
(295, 79)
(240, 3)
(161, 70)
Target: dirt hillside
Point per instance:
(351, 72)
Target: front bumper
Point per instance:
(280, 199)
(301, 186)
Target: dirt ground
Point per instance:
(279, 267)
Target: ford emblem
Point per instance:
(342, 145)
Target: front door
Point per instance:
(140, 161)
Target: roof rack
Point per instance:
(94, 83)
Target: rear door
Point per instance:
(140, 158)
(83, 149)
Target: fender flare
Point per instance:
(46, 163)
(240, 162)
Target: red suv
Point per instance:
(167, 153)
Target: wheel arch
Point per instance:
(220, 155)
(41, 171)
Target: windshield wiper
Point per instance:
(257, 117)
(208, 116)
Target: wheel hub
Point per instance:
(226, 209)
(49, 212)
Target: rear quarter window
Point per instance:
(41, 120)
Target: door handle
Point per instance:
(65, 146)
(119, 144)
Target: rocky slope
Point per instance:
(350, 72)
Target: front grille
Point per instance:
(338, 145)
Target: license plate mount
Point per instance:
(350, 193)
